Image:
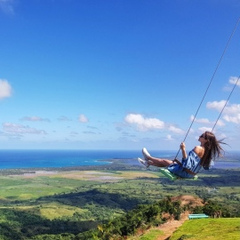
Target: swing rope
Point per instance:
(234, 86)
(211, 80)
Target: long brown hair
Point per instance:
(212, 149)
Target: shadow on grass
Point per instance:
(95, 197)
(20, 224)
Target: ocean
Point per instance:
(14, 159)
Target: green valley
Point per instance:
(56, 203)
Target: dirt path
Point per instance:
(170, 226)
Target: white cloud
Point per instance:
(175, 129)
(233, 119)
(232, 109)
(233, 80)
(220, 123)
(216, 105)
(231, 112)
(35, 119)
(200, 120)
(169, 137)
(144, 123)
(204, 129)
(207, 121)
(5, 89)
(82, 118)
(20, 129)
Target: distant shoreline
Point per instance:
(114, 165)
(92, 159)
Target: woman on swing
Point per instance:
(191, 164)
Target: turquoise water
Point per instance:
(70, 158)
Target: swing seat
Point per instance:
(172, 176)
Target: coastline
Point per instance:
(116, 164)
(91, 159)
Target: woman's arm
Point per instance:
(183, 148)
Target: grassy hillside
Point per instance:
(199, 229)
(209, 229)
(60, 201)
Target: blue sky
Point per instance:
(116, 74)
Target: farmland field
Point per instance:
(54, 201)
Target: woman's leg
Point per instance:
(159, 162)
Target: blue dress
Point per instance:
(192, 163)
